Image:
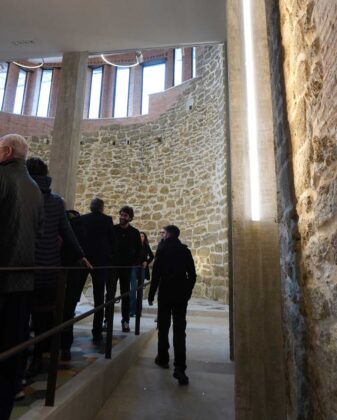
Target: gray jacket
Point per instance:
(21, 222)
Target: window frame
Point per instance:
(24, 91)
(51, 85)
(194, 62)
(5, 86)
(149, 64)
(92, 68)
(174, 66)
(114, 95)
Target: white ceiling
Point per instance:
(52, 27)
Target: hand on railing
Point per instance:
(86, 263)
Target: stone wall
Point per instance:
(298, 405)
(309, 38)
(171, 169)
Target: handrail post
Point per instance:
(139, 301)
(109, 314)
(55, 344)
(110, 310)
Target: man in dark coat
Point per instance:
(100, 247)
(21, 222)
(174, 274)
(75, 282)
(128, 249)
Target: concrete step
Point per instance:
(85, 394)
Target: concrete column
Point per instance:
(187, 64)
(31, 95)
(260, 391)
(67, 126)
(55, 86)
(169, 69)
(10, 89)
(108, 88)
(87, 93)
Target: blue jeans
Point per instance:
(136, 273)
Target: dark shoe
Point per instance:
(163, 365)
(35, 367)
(105, 325)
(182, 378)
(19, 396)
(125, 326)
(66, 355)
(96, 339)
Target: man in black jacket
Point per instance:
(174, 274)
(128, 249)
(21, 222)
(99, 246)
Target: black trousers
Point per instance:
(123, 274)
(74, 288)
(176, 310)
(101, 279)
(14, 327)
(43, 316)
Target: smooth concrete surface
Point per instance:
(65, 147)
(83, 396)
(260, 392)
(149, 392)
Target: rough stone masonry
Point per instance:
(171, 170)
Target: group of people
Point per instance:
(35, 230)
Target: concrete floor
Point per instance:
(149, 392)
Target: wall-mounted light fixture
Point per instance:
(251, 111)
(30, 67)
(139, 60)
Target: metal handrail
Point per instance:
(55, 331)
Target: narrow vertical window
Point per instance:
(194, 61)
(44, 95)
(95, 92)
(121, 92)
(3, 78)
(20, 92)
(153, 82)
(178, 66)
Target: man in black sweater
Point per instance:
(128, 248)
(174, 273)
(100, 247)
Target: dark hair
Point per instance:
(146, 241)
(128, 210)
(96, 205)
(172, 230)
(36, 167)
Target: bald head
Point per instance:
(13, 146)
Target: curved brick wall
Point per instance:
(170, 166)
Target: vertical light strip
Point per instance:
(251, 111)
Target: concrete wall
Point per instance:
(170, 166)
(258, 345)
